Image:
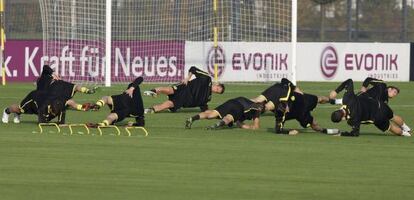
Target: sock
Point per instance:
(100, 103)
(79, 107)
(84, 90)
(195, 117)
(7, 110)
(338, 101)
(406, 134)
(405, 127)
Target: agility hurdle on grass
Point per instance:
(128, 130)
(58, 128)
(78, 125)
(41, 125)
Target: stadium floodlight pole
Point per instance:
(108, 44)
(2, 41)
(294, 29)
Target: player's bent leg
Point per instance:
(396, 130)
(208, 114)
(164, 90)
(110, 119)
(14, 108)
(159, 90)
(160, 107)
(72, 104)
(100, 103)
(269, 106)
(398, 120)
(85, 90)
(226, 120)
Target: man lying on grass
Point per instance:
(235, 110)
(364, 109)
(127, 104)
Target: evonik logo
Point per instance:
(329, 62)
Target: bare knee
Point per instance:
(14, 108)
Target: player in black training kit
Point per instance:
(232, 111)
(363, 109)
(188, 94)
(48, 86)
(300, 109)
(127, 104)
(379, 90)
(279, 93)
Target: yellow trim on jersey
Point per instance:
(26, 104)
(367, 122)
(218, 114)
(287, 96)
(113, 103)
(73, 91)
(377, 81)
(202, 72)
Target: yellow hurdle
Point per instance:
(110, 126)
(40, 125)
(78, 125)
(127, 129)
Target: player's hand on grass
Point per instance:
(293, 132)
(333, 94)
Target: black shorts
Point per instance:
(63, 89)
(181, 97)
(28, 104)
(383, 117)
(301, 109)
(277, 93)
(121, 106)
(231, 107)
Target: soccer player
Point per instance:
(235, 110)
(379, 90)
(300, 109)
(50, 108)
(188, 94)
(363, 109)
(127, 104)
(47, 85)
(276, 94)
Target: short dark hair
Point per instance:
(222, 87)
(337, 115)
(393, 87)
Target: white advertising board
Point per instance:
(241, 61)
(340, 61)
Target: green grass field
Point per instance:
(175, 163)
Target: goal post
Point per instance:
(104, 42)
(2, 43)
